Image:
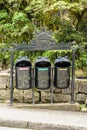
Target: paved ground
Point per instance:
(41, 119)
(8, 128)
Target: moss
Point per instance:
(83, 106)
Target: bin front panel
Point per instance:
(23, 77)
(62, 77)
(42, 78)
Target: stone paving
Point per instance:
(41, 119)
(8, 128)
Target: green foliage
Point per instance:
(3, 16)
(52, 55)
(83, 61)
(20, 18)
(67, 19)
(35, 6)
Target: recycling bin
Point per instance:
(23, 73)
(42, 73)
(62, 72)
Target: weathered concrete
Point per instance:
(13, 123)
(86, 102)
(4, 80)
(82, 86)
(84, 109)
(54, 106)
(9, 128)
(42, 119)
(81, 98)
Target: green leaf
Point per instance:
(3, 14)
(20, 17)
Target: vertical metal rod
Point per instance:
(11, 77)
(33, 80)
(52, 86)
(40, 99)
(73, 76)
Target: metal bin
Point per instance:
(23, 73)
(62, 72)
(42, 73)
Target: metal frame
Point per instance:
(37, 44)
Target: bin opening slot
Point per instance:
(62, 64)
(43, 64)
(23, 64)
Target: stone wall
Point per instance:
(60, 95)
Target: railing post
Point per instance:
(11, 76)
(52, 86)
(73, 76)
(33, 102)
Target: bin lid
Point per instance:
(42, 62)
(23, 61)
(62, 62)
